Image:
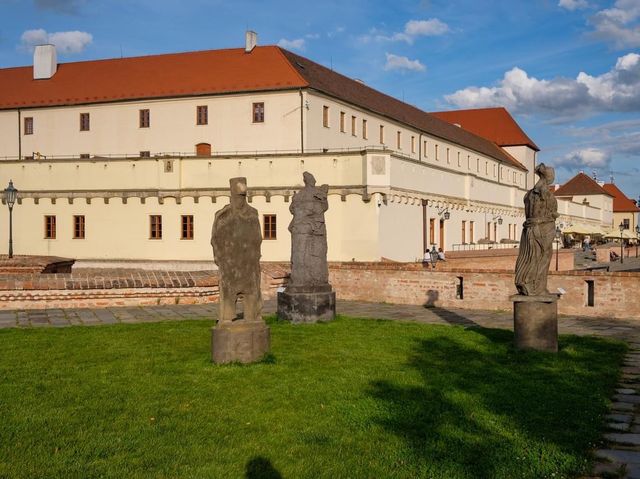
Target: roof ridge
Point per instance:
(281, 51)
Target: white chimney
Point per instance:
(250, 41)
(45, 62)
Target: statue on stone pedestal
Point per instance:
(308, 297)
(535, 311)
(536, 242)
(236, 240)
(309, 267)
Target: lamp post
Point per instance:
(637, 238)
(558, 233)
(10, 196)
(621, 228)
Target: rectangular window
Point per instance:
(459, 163)
(202, 115)
(424, 148)
(28, 125)
(464, 232)
(269, 230)
(78, 227)
(432, 230)
(448, 161)
(591, 290)
(399, 140)
(155, 227)
(353, 125)
(186, 232)
(382, 134)
(468, 162)
(413, 144)
(145, 154)
(85, 156)
(478, 165)
(486, 167)
(437, 155)
(325, 116)
(145, 118)
(364, 129)
(471, 233)
(488, 232)
(85, 123)
(625, 223)
(258, 112)
(342, 122)
(50, 227)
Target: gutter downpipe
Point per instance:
(19, 134)
(301, 121)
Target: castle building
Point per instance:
(130, 158)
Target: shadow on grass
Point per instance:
(479, 404)
(261, 468)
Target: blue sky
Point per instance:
(568, 70)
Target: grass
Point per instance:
(353, 398)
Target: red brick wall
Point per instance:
(615, 293)
(503, 259)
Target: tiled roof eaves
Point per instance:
(148, 98)
(496, 156)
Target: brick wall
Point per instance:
(105, 288)
(503, 259)
(615, 294)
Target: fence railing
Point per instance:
(35, 156)
(482, 246)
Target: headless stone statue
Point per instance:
(309, 270)
(308, 297)
(536, 242)
(535, 310)
(236, 240)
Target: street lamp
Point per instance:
(558, 234)
(637, 238)
(10, 196)
(621, 228)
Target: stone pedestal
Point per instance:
(307, 306)
(240, 341)
(535, 322)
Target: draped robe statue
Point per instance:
(536, 242)
(309, 269)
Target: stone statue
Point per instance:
(536, 242)
(308, 297)
(309, 268)
(236, 240)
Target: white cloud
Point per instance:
(312, 36)
(396, 62)
(585, 158)
(412, 30)
(573, 4)
(561, 98)
(297, 44)
(65, 42)
(431, 27)
(618, 25)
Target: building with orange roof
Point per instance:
(130, 158)
(625, 210)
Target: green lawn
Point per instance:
(349, 399)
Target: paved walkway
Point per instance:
(620, 458)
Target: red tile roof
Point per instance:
(207, 72)
(339, 86)
(154, 76)
(581, 184)
(621, 203)
(495, 124)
